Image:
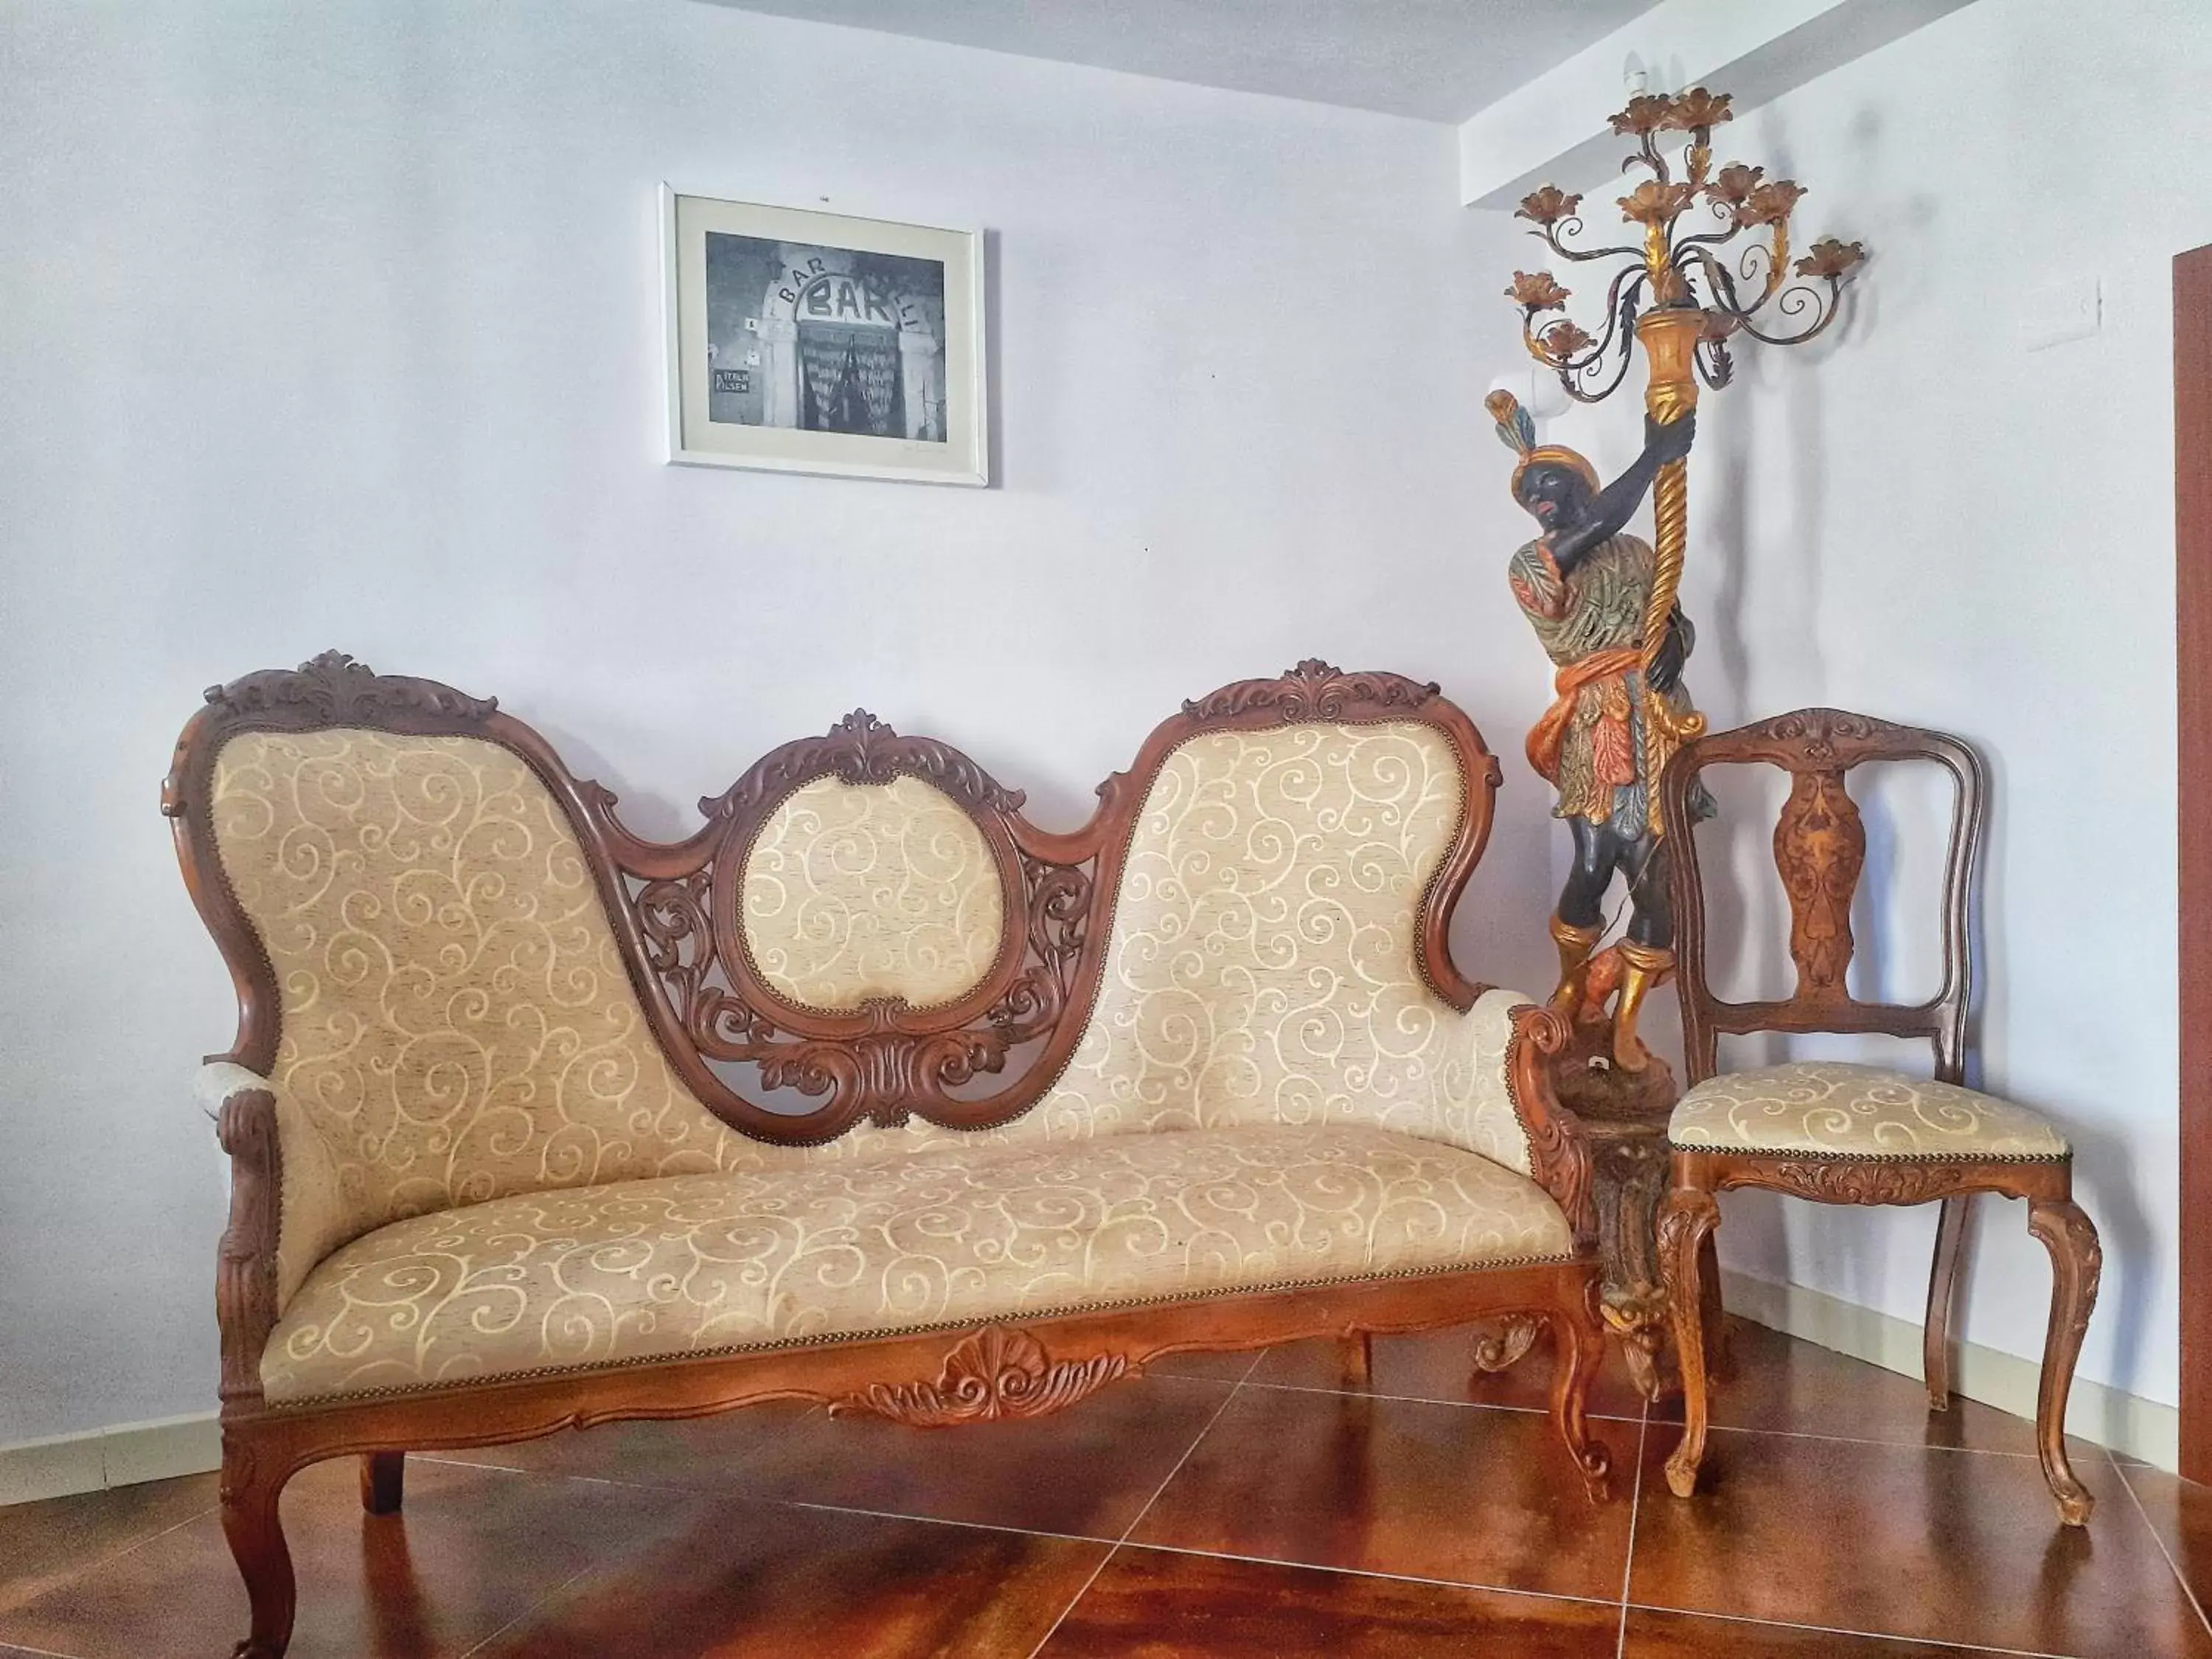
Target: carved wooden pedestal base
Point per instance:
(1625, 1113)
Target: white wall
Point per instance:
(1918, 517)
(337, 324)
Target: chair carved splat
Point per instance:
(1819, 848)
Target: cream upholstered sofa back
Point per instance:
(1263, 965)
(457, 1022)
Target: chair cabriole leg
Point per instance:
(383, 1482)
(1579, 1337)
(251, 1484)
(1712, 1313)
(2076, 1260)
(1942, 1279)
(1685, 1224)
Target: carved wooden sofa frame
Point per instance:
(670, 906)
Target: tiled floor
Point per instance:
(1240, 1507)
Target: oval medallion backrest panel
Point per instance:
(857, 893)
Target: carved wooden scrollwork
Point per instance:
(1502, 1343)
(1823, 736)
(1820, 847)
(2071, 1237)
(1558, 1148)
(334, 688)
(1865, 1179)
(861, 749)
(998, 1372)
(246, 1258)
(1313, 690)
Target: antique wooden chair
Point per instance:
(1846, 1134)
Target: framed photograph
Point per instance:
(814, 343)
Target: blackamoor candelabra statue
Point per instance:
(1602, 602)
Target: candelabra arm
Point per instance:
(1581, 255)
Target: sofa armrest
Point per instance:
(1494, 1097)
(1558, 1147)
(286, 1211)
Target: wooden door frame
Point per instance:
(2193, 525)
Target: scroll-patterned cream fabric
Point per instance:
(854, 891)
(457, 1023)
(694, 1264)
(1261, 967)
(1829, 1106)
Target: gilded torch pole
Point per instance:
(1671, 337)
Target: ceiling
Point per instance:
(1440, 60)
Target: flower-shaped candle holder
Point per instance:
(1686, 261)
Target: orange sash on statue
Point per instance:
(1549, 734)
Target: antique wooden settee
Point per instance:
(870, 1091)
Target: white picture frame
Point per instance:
(806, 342)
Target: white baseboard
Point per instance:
(131, 1452)
(2128, 1424)
(120, 1456)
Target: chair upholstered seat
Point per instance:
(712, 1262)
(1832, 1108)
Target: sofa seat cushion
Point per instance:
(712, 1263)
(1830, 1108)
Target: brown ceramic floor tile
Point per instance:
(40, 1544)
(1152, 1604)
(1956, 1547)
(2180, 1512)
(475, 1549)
(1778, 1382)
(753, 1581)
(1439, 1365)
(1684, 1635)
(1460, 1493)
(1088, 1471)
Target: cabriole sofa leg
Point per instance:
(1579, 1350)
(383, 1481)
(251, 1487)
